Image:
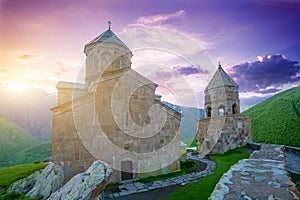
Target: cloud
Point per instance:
(159, 19)
(27, 56)
(189, 70)
(64, 69)
(265, 75)
(251, 101)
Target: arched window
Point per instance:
(208, 111)
(221, 111)
(121, 64)
(234, 109)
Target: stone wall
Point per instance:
(219, 134)
(224, 96)
(121, 121)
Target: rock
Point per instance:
(271, 197)
(246, 198)
(26, 184)
(259, 178)
(273, 184)
(50, 180)
(84, 185)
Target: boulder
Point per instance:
(50, 180)
(26, 184)
(86, 185)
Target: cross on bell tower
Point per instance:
(109, 24)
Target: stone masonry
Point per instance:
(263, 176)
(224, 127)
(115, 117)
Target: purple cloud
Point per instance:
(189, 70)
(270, 71)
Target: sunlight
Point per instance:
(17, 85)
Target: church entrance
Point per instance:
(126, 168)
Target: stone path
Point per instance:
(137, 187)
(263, 176)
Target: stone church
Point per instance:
(115, 117)
(224, 127)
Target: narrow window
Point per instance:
(208, 111)
(234, 109)
(221, 111)
(121, 64)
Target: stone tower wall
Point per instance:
(231, 132)
(226, 96)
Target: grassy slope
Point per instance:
(8, 175)
(277, 120)
(13, 139)
(204, 187)
(39, 152)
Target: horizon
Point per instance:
(176, 46)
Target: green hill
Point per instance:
(18, 146)
(277, 120)
(13, 139)
(39, 152)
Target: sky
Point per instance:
(175, 43)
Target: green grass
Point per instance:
(203, 188)
(39, 152)
(277, 120)
(14, 196)
(13, 139)
(185, 166)
(8, 175)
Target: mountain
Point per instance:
(18, 146)
(29, 108)
(188, 121)
(277, 119)
(13, 139)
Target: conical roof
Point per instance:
(108, 36)
(221, 79)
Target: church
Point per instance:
(115, 117)
(224, 127)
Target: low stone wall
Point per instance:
(263, 176)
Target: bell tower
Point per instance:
(105, 54)
(221, 95)
(223, 127)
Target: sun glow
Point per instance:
(17, 85)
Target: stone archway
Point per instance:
(126, 170)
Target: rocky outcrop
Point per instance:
(86, 185)
(49, 181)
(26, 184)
